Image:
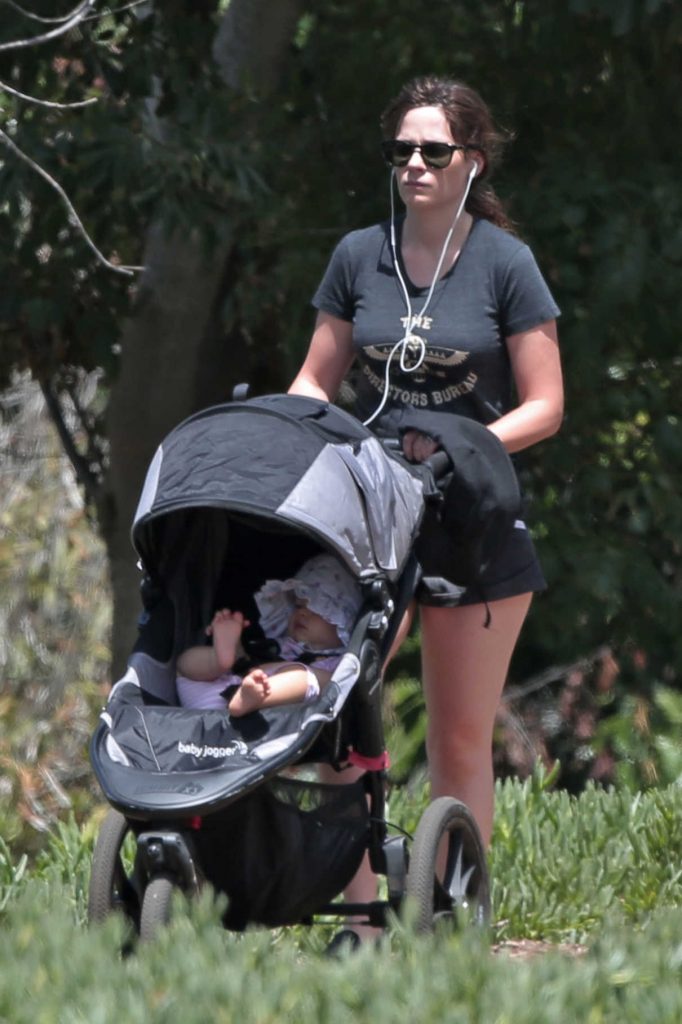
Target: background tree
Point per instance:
(151, 169)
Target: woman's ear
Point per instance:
(478, 163)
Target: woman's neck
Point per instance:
(422, 241)
(428, 230)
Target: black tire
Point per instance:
(463, 894)
(156, 906)
(111, 890)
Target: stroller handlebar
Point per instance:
(438, 464)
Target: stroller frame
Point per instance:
(171, 815)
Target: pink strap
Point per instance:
(370, 764)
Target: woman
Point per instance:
(446, 312)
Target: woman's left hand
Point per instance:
(418, 447)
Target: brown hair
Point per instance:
(471, 124)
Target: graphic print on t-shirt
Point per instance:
(425, 367)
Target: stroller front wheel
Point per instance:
(156, 906)
(110, 887)
(448, 872)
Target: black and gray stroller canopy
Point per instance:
(291, 463)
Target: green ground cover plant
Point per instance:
(601, 869)
(196, 973)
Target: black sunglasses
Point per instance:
(397, 152)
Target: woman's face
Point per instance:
(419, 185)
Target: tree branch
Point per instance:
(553, 675)
(78, 15)
(117, 10)
(38, 17)
(47, 103)
(95, 451)
(84, 474)
(75, 219)
(65, 17)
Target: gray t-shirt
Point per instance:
(494, 290)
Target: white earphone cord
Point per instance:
(402, 345)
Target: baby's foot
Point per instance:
(251, 695)
(226, 629)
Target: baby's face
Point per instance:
(311, 629)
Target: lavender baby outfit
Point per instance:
(328, 589)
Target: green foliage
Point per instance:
(54, 622)
(644, 738)
(11, 875)
(404, 715)
(616, 851)
(602, 216)
(562, 864)
(125, 162)
(65, 862)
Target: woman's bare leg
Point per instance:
(464, 668)
(401, 633)
(363, 887)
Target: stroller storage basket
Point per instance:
(284, 850)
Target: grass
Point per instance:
(195, 972)
(601, 868)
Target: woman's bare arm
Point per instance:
(329, 359)
(536, 366)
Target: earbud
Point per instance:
(475, 169)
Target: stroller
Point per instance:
(236, 494)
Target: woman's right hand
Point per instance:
(418, 447)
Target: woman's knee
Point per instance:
(461, 749)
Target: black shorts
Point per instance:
(515, 570)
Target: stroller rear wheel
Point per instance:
(448, 876)
(156, 906)
(110, 888)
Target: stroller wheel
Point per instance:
(448, 873)
(110, 888)
(156, 906)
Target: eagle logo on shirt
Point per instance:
(436, 361)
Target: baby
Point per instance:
(310, 614)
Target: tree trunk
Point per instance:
(173, 354)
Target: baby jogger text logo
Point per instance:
(235, 747)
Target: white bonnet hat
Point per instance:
(322, 581)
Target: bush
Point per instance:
(196, 972)
(601, 867)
